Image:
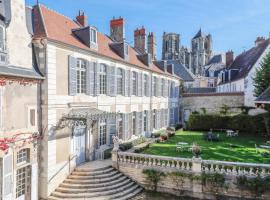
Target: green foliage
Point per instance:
(125, 146)
(215, 179)
(243, 123)
(258, 185)
(262, 77)
(156, 135)
(108, 153)
(153, 176)
(141, 149)
(224, 110)
(245, 109)
(179, 179)
(203, 110)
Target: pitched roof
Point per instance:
(180, 70)
(245, 61)
(215, 59)
(264, 97)
(200, 90)
(57, 27)
(199, 34)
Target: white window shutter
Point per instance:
(112, 81)
(140, 82)
(96, 75)
(8, 177)
(90, 78)
(127, 83)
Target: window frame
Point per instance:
(81, 76)
(145, 80)
(119, 81)
(103, 79)
(134, 123)
(102, 133)
(145, 121)
(155, 86)
(134, 83)
(155, 119)
(93, 35)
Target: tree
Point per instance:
(262, 77)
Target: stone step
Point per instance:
(127, 196)
(93, 185)
(93, 181)
(90, 190)
(101, 176)
(92, 173)
(88, 169)
(128, 187)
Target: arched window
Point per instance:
(120, 81)
(81, 76)
(103, 79)
(134, 83)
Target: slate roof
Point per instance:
(264, 97)
(181, 70)
(245, 61)
(199, 34)
(200, 90)
(57, 27)
(19, 72)
(215, 59)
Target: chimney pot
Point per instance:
(259, 40)
(82, 19)
(117, 27)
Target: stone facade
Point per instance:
(19, 105)
(212, 102)
(194, 59)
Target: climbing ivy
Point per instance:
(153, 176)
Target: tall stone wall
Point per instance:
(212, 102)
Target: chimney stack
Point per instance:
(229, 58)
(152, 45)
(259, 40)
(118, 29)
(82, 19)
(140, 40)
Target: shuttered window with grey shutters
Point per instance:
(72, 76)
(137, 125)
(8, 177)
(112, 81)
(149, 86)
(140, 81)
(90, 78)
(111, 129)
(149, 127)
(97, 81)
(126, 126)
(127, 83)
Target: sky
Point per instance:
(234, 24)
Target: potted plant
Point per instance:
(196, 150)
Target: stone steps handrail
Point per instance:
(235, 168)
(155, 161)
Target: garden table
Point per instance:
(230, 133)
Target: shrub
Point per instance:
(178, 126)
(125, 146)
(108, 153)
(156, 135)
(153, 176)
(243, 123)
(164, 137)
(141, 149)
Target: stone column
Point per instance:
(197, 170)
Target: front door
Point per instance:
(79, 144)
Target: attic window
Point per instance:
(93, 34)
(126, 49)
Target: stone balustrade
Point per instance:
(235, 168)
(192, 165)
(155, 161)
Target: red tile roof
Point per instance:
(59, 28)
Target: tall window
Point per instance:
(145, 121)
(119, 81)
(154, 119)
(163, 87)
(23, 156)
(93, 33)
(134, 83)
(81, 76)
(102, 133)
(22, 181)
(103, 79)
(145, 89)
(134, 123)
(2, 39)
(155, 86)
(120, 126)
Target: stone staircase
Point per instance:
(104, 183)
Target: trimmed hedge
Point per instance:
(243, 123)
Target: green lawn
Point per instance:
(243, 150)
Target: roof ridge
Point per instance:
(50, 9)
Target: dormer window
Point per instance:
(93, 35)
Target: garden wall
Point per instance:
(187, 182)
(212, 102)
